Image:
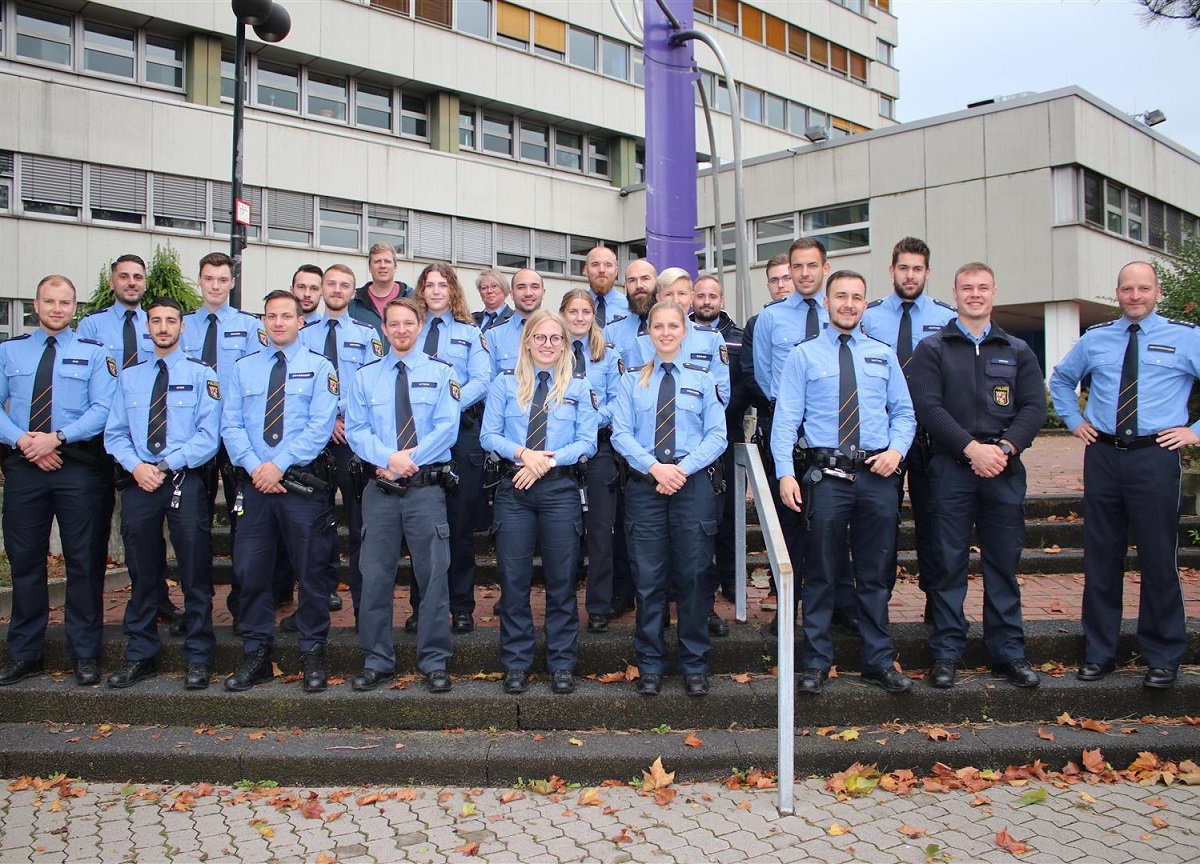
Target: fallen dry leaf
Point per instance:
(510, 796)
(323, 858)
(1093, 761)
(663, 797)
(623, 837)
(912, 831)
(744, 805)
(1158, 823)
(1065, 719)
(741, 678)
(1095, 725)
(589, 797)
(1006, 842)
(469, 849)
(837, 830)
(1043, 734)
(1156, 802)
(693, 740)
(980, 801)
(657, 777)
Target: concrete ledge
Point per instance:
(114, 580)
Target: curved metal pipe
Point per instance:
(716, 175)
(624, 22)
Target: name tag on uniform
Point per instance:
(235, 332)
(690, 392)
(569, 401)
(74, 361)
(707, 357)
(1002, 361)
(300, 374)
(424, 384)
(1166, 349)
(930, 328)
(879, 361)
(353, 345)
(179, 387)
(464, 342)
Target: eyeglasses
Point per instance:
(778, 280)
(541, 339)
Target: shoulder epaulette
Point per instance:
(704, 328)
(1180, 323)
(443, 362)
(19, 338)
(195, 360)
(372, 363)
(507, 372)
(95, 312)
(609, 345)
(1101, 324)
(629, 369)
(257, 315)
(944, 305)
(90, 341)
(244, 357)
(362, 323)
(876, 339)
(137, 363)
(875, 303)
(318, 353)
(615, 319)
(773, 302)
(805, 339)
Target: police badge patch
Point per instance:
(262, 337)
(595, 401)
(620, 366)
(1002, 395)
(112, 366)
(455, 390)
(725, 354)
(333, 385)
(483, 342)
(377, 347)
(214, 390)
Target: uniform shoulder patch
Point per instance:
(91, 341)
(262, 336)
(805, 339)
(507, 372)
(377, 347)
(455, 390)
(197, 360)
(334, 387)
(615, 319)
(637, 368)
(609, 345)
(875, 303)
(620, 366)
(1101, 324)
(362, 323)
(112, 366)
(370, 363)
(773, 302)
(94, 312)
(483, 341)
(595, 399)
(214, 390)
(1180, 323)
(19, 338)
(443, 362)
(724, 351)
(703, 328)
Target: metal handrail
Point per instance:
(748, 466)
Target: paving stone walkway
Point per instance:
(704, 822)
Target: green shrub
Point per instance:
(164, 278)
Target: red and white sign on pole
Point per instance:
(241, 212)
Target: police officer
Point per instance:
(779, 286)
(703, 348)
(669, 425)
(348, 345)
(164, 426)
(847, 392)
(902, 320)
(219, 335)
(122, 329)
(280, 407)
(402, 418)
(600, 268)
(980, 394)
(1142, 367)
(450, 336)
(504, 341)
(306, 287)
(57, 390)
(540, 420)
(596, 360)
(493, 291)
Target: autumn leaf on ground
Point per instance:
(744, 805)
(469, 849)
(623, 837)
(936, 733)
(663, 797)
(56, 806)
(322, 858)
(1156, 802)
(1086, 798)
(203, 790)
(312, 809)
(847, 735)
(837, 830)
(1033, 796)
(912, 831)
(933, 853)
(1052, 550)
(262, 827)
(590, 797)
(1065, 719)
(741, 678)
(657, 777)
(611, 677)
(468, 809)
(631, 672)
(405, 794)
(693, 740)
(333, 817)
(1093, 760)
(980, 801)
(1006, 842)
(1095, 725)
(575, 742)
(370, 798)
(510, 796)
(1044, 735)
(1158, 823)
(856, 780)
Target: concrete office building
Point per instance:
(491, 133)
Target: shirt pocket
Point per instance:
(1000, 381)
(299, 390)
(235, 340)
(455, 352)
(71, 383)
(424, 402)
(20, 389)
(352, 352)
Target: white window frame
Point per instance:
(131, 54)
(396, 235)
(328, 211)
(72, 43)
(887, 106)
(761, 240)
(256, 83)
(409, 114)
(347, 89)
(824, 233)
(356, 86)
(145, 60)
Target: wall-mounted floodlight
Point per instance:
(816, 134)
(1151, 118)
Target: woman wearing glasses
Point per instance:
(596, 360)
(670, 426)
(540, 420)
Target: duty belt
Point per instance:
(430, 475)
(1135, 443)
(826, 457)
(508, 469)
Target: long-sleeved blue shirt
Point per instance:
(780, 326)
(570, 426)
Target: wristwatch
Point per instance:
(61, 436)
(1007, 449)
(553, 463)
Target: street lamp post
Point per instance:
(271, 23)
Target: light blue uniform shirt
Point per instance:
(700, 435)
(881, 320)
(460, 345)
(570, 426)
(810, 396)
(623, 332)
(503, 344)
(83, 384)
(616, 304)
(371, 418)
(108, 327)
(703, 350)
(357, 345)
(313, 318)
(604, 375)
(239, 334)
(780, 326)
(1168, 363)
(309, 408)
(193, 414)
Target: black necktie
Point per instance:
(156, 430)
(489, 321)
(536, 438)
(406, 428)
(664, 416)
(813, 326)
(40, 407)
(208, 356)
(577, 350)
(847, 397)
(273, 420)
(1127, 419)
(601, 310)
(331, 343)
(641, 325)
(431, 340)
(904, 337)
(129, 340)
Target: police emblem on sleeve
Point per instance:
(483, 342)
(262, 337)
(595, 401)
(620, 366)
(1002, 395)
(455, 390)
(214, 390)
(112, 366)
(725, 354)
(377, 347)
(333, 385)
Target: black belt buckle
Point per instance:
(839, 473)
(1120, 443)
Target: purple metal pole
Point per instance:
(670, 140)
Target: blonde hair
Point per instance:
(595, 336)
(669, 277)
(661, 306)
(497, 277)
(525, 372)
(458, 301)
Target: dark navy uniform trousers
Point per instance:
(601, 519)
(351, 506)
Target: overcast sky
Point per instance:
(953, 52)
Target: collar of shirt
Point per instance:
(982, 336)
(831, 335)
(411, 360)
(223, 314)
(61, 340)
(289, 351)
(446, 318)
(796, 299)
(1146, 324)
(118, 312)
(172, 360)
